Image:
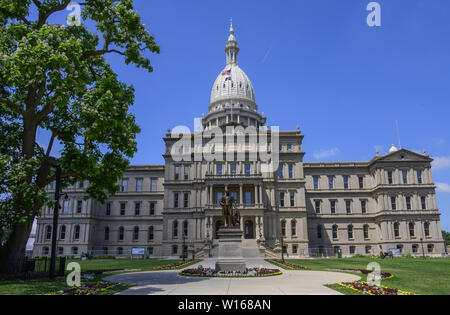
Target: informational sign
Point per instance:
(396, 251)
(138, 251)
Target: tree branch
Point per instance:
(13, 106)
(44, 16)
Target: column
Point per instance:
(256, 194)
(261, 220)
(260, 194)
(257, 227)
(241, 194)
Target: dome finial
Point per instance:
(231, 26)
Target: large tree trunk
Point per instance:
(13, 252)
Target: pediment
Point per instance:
(404, 155)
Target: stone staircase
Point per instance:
(251, 249)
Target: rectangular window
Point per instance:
(291, 171)
(281, 199)
(122, 208)
(289, 147)
(79, 206)
(186, 172)
(317, 206)
(363, 206)
(408, 203)
(292, 198)
(419, 177)
(390, 181)
(405, 177)
(247, 169)
(186, 200)
(316, 182)
(330, 182)
(124, 187)
(154, 186)
(137, 208)
(152, 208)
(219, 197)
(175, 200)
(352, 250)
(108, 208)
(233, 169)
(65, 206)
(361, 182)
(348, 206)
(280, 172)
(423, 202)
(139, 185)
(219, 169)
(248, 198)
(177, 172)
(294, 249)
(345, 182)
(394, 203)
(333, 206)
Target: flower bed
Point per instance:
(286, 264)
(364, 288)
(248, 273)
(176, 265)
(88, 289)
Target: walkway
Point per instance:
(291, 282)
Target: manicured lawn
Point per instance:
(416, 275)
(44, 286)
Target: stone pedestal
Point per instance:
(230, 250)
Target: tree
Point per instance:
(55, 78)
(446, 236)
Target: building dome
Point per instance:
(232, 84)
(393, 149)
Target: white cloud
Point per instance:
(326, 153)
(443, 188)
(441, 162)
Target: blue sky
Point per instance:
(313, 63)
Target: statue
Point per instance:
(232, 216)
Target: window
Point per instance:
(74, 250)
(289, 147)
(415, 249)
(139, 185)
(426, 228)
(361, 182)
(294, 249)
(333, 206)
(122, 208)
(319, 231)
(348, 206)
(350, 232)
(316, 182)
(408, 202)
(136, 233)
(137, 208)
(291, 171)
(219, 197)
(368, 250)
(335, 231)
(280, 172)
(390, 178)
(175, 200)
(48, 232)
(396, 229)
(185, 228)
(175, 229)
(248, 198)
(66, 206)
(177, 172)
(60, 251)
(150, 251)
(151, 235)
(219, 169)
(405, 177)
(280, 148)
(79, 206)
(174, 249)
(423, 202)
(292, 198)
(62, 232)
(186, 200)
(394, 203)
(330, 182)
(124, 187)
(293, 227)
(247, 169)
(233, 169)
(283, 228)
(430, 248)
(412, 232)
(45, 251)
(120, 251)
(352, 250)
(105, 251)
(121, 233)
(81, 185)
(76, 233)
(106, 233)
(366, 231)
(186, 172)
(281, 199)
(108, 209)
(363, 206)
(317, 206)
(154, 184)
(419, 177)
(345, 182)
(152, 208)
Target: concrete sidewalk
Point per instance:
(291, 282)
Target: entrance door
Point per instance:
(219, 224)
(248, 230)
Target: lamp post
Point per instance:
(55, 164)
(184, 247)
(282, 249)
(423, 252)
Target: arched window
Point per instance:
(121, 233)
(335, 231)
(62, 233)
(350, 231)
(150, 233)
(293, 227)
(175, 229)
(412, 231)
(426, 228)
(76, 232)
(319, 231)
(396, 229)
(185, 228)
(106, 233)
(136, 233)
(48, 232)
(366, 231)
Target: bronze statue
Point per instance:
(229, 211)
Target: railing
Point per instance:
(37, 265)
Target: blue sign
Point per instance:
(396, 251)
(138, 251)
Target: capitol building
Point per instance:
(286, 205)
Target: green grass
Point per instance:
(416, 275)
(44, 286)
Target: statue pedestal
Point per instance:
(230, 250)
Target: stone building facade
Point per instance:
(304, 209)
